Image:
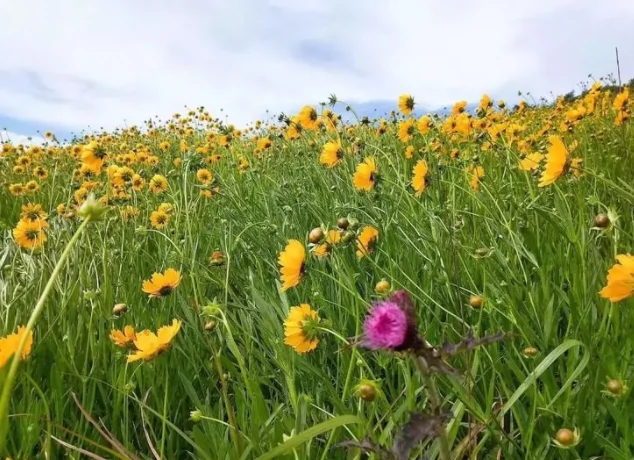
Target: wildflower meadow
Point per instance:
(324, 286)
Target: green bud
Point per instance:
(92, 209)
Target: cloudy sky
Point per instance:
(69, 65)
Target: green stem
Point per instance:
(37, 311)
(164, 427)
(434, 400)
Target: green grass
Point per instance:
(540, 281)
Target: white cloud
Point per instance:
(98, 63)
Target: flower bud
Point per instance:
(92, 209)
(476, 301)
(119, 309)
(482, 252)
(366, 392)
(217, 258)
(316, 235)
(530, 352)
(615, 387)
(343, 223)
(196, 416)
(210, 326)
(565, 438)
(382, 286)
(347, 237)
(602, 221)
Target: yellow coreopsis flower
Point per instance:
(620, 279)
(149, 345)
(365, 177)
(406, 104)
(162, 284)
(292, 264)
(300, 330)
(9, 345)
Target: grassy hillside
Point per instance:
(508, 221)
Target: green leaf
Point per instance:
(309, 434)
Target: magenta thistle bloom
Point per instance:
(390, 324)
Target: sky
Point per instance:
(74, 65)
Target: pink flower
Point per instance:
(391, 324)
(386, 326)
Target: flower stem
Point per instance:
(434, 400)
(37, 311)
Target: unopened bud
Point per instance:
(119, 309)
(92, 209)
(602, 221)
(530, 352)
(476, 301)
(347, 237)
(382, 287)
(316, 235)
(343, 223)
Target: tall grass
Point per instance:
(253, 396)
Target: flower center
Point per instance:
(165, 290)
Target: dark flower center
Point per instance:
(165, 290)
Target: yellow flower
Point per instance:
(419, 181)
(424, 124)
(32, 186)
(292, 264)
(30, 234)
(93, 155)
(477, 173)
(300, 329)
(458, 108)
(406, 130)
(264, 143)
(409, 152)
(323, 249)
(406, 104)
(159, 219)
(32, 212)
(331, 154)
(366, 175)
(204, 176)
(620, 279)
(129, 212)
(9, 345)
(366, 241)
(531, 161)
(123, 338)
(158, 184)
(308, 118)
(138, 182)
(162, 284)
(40, 172)
(556, 161)
(149, 345)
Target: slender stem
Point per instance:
(434, 399)
(225, 396)
(39, 307)
(165, 400)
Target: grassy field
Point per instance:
(507, 221)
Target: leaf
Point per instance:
(420, 426)
(309, 434)
(538, 371)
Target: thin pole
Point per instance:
(618, 65)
